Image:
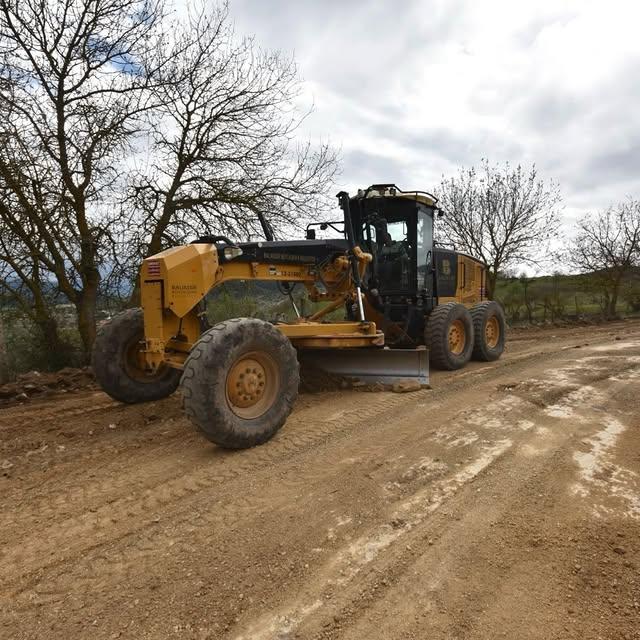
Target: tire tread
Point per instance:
(479, 313)
(203, 401)
(436, 337)
(107, 358)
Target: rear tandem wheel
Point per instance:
(489, 330)
(449, 336)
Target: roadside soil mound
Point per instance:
(39, 384)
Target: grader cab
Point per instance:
(405, 299)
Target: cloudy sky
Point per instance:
(412, 89)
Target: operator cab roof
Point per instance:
(392, 191)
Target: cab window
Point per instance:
(424, 248)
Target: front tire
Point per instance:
(119, 370)
(489, 330)
(240, 382)
(449, 336)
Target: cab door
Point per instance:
(424, 252)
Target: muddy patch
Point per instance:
(600, 474)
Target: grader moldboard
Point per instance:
(406, 301)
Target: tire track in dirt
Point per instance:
(154, 471)
(157, 485)
(470, 584)
(236, 511)
(350, 561)
(285, 474)
(109, 452)
(105, 522)
(15, 420)
(313, 614)
(95, 568)
(227, 514)
(95, 524)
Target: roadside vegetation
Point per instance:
(564, 298)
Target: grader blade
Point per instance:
(370, 366)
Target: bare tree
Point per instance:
(529, 303)
(71, 102)
(504, 216)
(24, 281)
(222, 140)
(607, 247)
(89, 85)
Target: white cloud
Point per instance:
(411, 90)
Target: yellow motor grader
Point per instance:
(406, 301)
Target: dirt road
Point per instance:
(503, 503)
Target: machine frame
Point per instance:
(406, 302)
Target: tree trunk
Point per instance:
(134, 298)
(491, 284)
(86, 310)
(613, 303)
(57, 352)
(613, 299)
(4, 360)
(605, 305)
(168, 210)
(88, 297)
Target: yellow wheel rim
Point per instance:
(457, 337)
(252, 385)
(492, 332)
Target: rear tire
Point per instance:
(116, 368)
(489, 331)
(240, 382)
(449, 336)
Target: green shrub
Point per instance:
(23, 348)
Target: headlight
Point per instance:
(232, 252)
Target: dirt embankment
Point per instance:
(38, 384)
(503, 503)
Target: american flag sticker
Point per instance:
(153, 268)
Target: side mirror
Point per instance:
(311, 234)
